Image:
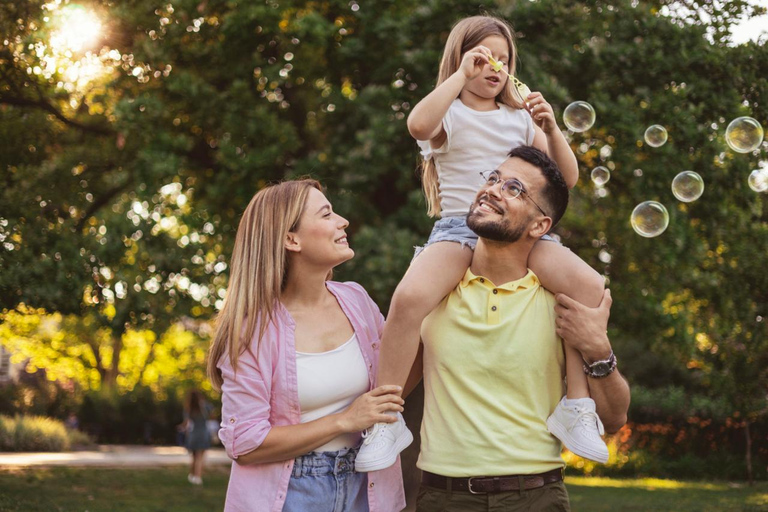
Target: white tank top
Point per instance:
(328, 383)
(477, 141)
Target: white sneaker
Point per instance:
(579, 428)
(383, 442)
(195, 480)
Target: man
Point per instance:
(493, 358)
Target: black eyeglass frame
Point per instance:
(505, 191)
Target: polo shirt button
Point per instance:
(371, 485)
(482, 280)
(493, 308)
(495, 292)
(231, 420)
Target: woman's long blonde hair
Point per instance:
(258, 270)
(465, 35)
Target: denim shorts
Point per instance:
(455, 229)
(327, 482)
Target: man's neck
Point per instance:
(501, 262)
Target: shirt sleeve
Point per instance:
(244, 406)
(373, 308)
(427, 151)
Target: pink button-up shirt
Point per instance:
(265, 394)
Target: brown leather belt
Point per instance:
(491, 484)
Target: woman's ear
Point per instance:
(292, 242)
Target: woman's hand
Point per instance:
(541, 112)
(473, 62)
(371, 408)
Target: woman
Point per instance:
(196, 411)
(295, 356)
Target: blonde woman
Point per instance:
(295, 356)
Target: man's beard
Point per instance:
(497, 231)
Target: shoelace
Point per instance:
(370, 433)
(587, 418)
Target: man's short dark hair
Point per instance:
(555, 193)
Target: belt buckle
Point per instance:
(469, 485)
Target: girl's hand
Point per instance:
(473, 62)
(371, 407)
(541, 112)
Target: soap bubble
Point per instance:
(656, 135)
(744, 134)
(687, 186)
(758, 180)
(600, 175)
(579, 116)
(650, 219)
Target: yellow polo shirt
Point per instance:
(493, 372)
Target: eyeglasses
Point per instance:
(510, 189)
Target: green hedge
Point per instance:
(38, 434)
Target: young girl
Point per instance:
(465, 126)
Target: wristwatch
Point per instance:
(600, 369)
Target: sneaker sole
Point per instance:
(562, 434)
(401, 444)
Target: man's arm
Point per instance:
(585, 329)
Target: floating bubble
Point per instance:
(758, 180)
(649, 219)
(600, 175)
(579, 116)
(656, 135)
(687, 186)
(744, 134)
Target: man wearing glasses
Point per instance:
(493, 361)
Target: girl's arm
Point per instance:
(550, 139)
(425, 121)
(291, 441)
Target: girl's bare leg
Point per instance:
(431, 276)
(562, 271)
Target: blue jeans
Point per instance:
(327, 482)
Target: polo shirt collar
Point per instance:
(529, 280)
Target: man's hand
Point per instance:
(584, 328)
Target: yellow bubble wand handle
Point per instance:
(522, 90)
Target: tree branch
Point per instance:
(101, 201)
(43, 105)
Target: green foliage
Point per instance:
(37, 434)
(140, 416)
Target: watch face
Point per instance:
(601, 368)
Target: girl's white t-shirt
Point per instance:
(477, 141)
(328, 383)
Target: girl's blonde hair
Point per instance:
(258, 270)
(465, 35)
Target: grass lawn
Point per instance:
(166, 489)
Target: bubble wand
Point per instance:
(522, 90)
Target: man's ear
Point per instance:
(292, 242)
(540, 227)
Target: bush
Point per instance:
(38, 434)
(33, 434)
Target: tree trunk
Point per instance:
(749, 453)
(110, 378)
